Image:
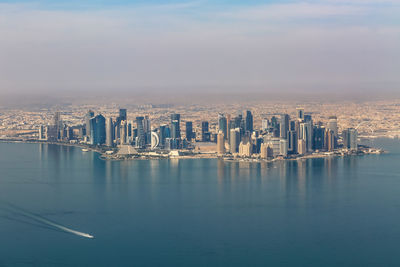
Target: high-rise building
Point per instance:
(350, 139)
(58, 125)
(223, 125)
(147, 129)
(163, 134)
(97, 130)
(51, 133)
(175, 126)
(266, 151)
(307, 118)
(123, 133)
(155, 140)
(245, 149)
(265, 124)
(306, 134)
(249, 121)
(109, 132)
(140, 138)
(189, 130)
(292, 125)
(234, 140)
(300, 114)
(283, 147)
(318, 138)
(330, 143)
(88, 116)
(284, 126)
(275, 145)
(292, 142)
(56, 119)
(353, 136)
(220, 143)
(123, 114)
(332, 125)
(301, 147)
(205, 134)
(257, 144)
(42, 133)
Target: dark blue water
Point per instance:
(320, 212)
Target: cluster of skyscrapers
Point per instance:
(100, 131)
(279, 135)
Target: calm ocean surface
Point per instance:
(203, 212)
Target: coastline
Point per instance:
(78, 145)
(364, 150)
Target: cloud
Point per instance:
(300, 10)
(196, 45)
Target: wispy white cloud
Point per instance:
(302, 10)
(190, 45)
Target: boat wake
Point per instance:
(39, 219)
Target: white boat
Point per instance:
(85, 150)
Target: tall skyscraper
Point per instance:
(41, 133)
(353, 136)
(163, 134)
(234, 140)
(284, 126)
(274, 126)
(223, 125)
(330, 143)
(189, 130)
(350, 139)
(301, 149)
(97, 130)
(123, 114)
(205, 134)
(147, 129)
(332, 125)
(265, 124)
(306, 134)
(175, 126)
(220, 143)
(318, 137)
(283, 147)
(292, 125)
(292, 142)
(300, 114)
(140, 139)
(56, 119)
(123, 133)
(249, 121)
(109, 132)
(88, 116)
(51, 133)
(58, 125)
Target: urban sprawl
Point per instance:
(234, 137)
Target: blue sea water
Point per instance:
(198, 212)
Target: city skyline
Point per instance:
(280, 136)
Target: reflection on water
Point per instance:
(294, 178)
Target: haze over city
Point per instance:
(128, 47)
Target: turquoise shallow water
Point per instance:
(204, 212)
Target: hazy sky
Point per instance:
(217, 46)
